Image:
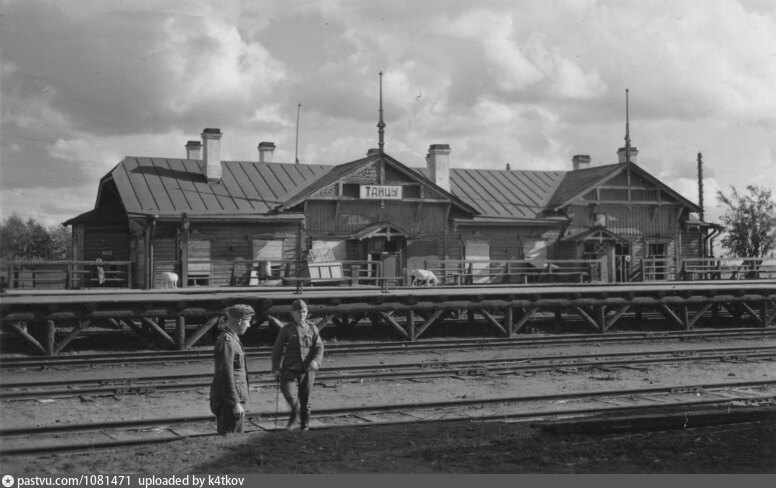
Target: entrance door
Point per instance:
(658, 254)
(389, 253)
(600, 250)
(622, 262)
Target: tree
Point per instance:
(30, 240)
(750, 220)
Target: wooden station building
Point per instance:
(211, 220)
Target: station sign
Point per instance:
(381, 192)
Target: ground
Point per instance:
(444, 447)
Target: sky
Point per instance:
(529, 83)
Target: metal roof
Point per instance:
(169, 186)
(510, 194)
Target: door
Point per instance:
(602, 251)
(477, 256)
(622, 262)
(657, 252)
(389, 253)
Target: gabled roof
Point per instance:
(165, 186)
(343, 170)
(577, 183)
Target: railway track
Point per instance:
(25, 390)
(732, 397)
(390, 347)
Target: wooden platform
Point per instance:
(409, 311)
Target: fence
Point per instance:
(658, 269)
(220, 273)
(461, 272)
(728, 269)
(68, 275)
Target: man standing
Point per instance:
(229, 390)
(296, 356)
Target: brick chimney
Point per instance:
(193, 150)
(580, 161)
(266, 152)
(438, 163)
(634, 152)
(211, 139)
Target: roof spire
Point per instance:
(381, 124)
(627, 130)
(296, 150)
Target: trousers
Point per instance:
(296, 387)
(226, 423)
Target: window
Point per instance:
(351, 190)
(198, 270)
(599, 219)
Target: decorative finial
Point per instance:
(381, 124)
(627, 129)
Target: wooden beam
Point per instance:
(434, 316)
(698, 315)
(669, 314)
(617, 316)
(180, 332)
(508, 321)
(18, 328)
(80, 326)
(326, 320)
(274, 322)
(201, 330)
(587, 318)
(411, 324)
(387, 317)
(752, 313)
(49, 332)
(492, 321)
(524, 318)
(159, 331)
(600, 311)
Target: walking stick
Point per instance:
(277, 398)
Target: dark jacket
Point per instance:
(230, 377)
(296, 347)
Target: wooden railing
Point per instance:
(727, 269)
(220, 273)
(461, 272)
(68, 275)
(658, 269)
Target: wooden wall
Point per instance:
(628, 221)
(352, 216)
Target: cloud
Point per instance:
(85, 83)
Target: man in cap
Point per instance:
(229, 390)
(296, 356)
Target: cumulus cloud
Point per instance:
(529, 83)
